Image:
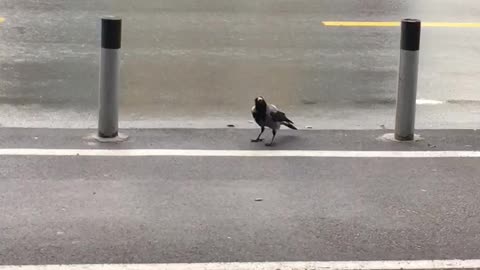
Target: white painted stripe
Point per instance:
(429, 102)
(235, 153)
(348, 265)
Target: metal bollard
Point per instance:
(109, 76)
(407, 80)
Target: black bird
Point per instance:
(267, 115)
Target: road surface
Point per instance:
(179, 209)
(189, 69)
(200, 64)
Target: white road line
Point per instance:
(429, 102)
(235, 153)
(348, 265)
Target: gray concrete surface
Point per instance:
(239, 139)
(193, 209)
(200, 64)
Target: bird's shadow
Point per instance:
(285, 140)
(281, 142)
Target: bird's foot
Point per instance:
(269, 144)
(256, 140)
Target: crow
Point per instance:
(267, 115)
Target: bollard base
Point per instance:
(391, 137)
(404, 138)
(119, 138)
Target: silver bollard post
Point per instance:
(109, 76)
(407, 80)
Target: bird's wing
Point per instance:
(256, 117)
(279, 116)
(254, 113)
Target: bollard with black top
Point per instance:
(109, 77)
(407, 80)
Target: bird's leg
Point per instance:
(258, 138)
(273, 138)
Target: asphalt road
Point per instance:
(200, 64)
(66, 210)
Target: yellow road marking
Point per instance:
(396, 24)
(2, 19)
(363, 24)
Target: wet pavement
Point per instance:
(186, 63)
(199, 64)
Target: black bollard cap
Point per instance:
(411, 34)
(111, 32)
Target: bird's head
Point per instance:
(260, 103)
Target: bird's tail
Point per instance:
(290, 125)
